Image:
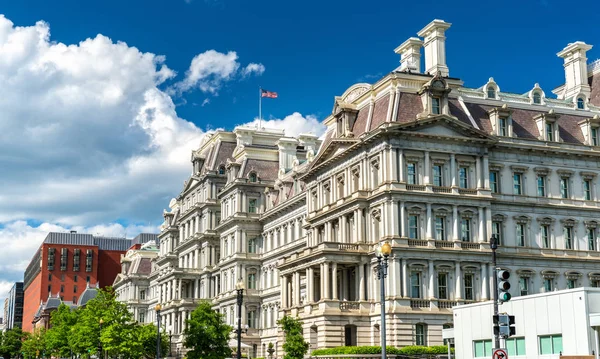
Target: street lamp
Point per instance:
(383, 252)
(99, 338)
(157, 308)
(170, 343)
(239, 287)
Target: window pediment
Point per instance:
(522, 219)
(549, 274)
(542, 170)
(564, 173)
(546, 220)
(518, 169)
(527, 273)
(573, 275)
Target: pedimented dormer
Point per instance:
(491, 90)
(501, 119)
(434, 96)
(197, 162)
(345, 116)
(590, 128)
(547, 124)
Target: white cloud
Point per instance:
(253, 69)
(293, 124)
(211, 69)
(205, 102)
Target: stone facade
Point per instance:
(415, 159)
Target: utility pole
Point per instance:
(494, 246)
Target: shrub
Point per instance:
(408, 350)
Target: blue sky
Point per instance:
(95, 135)
(313, 50)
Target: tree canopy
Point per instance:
(206, 334)
(294, 346)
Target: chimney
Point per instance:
(576, 76)
(73, 232)
(435, 47)
(287, 153)
(410, 55)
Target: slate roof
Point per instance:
(266, 170)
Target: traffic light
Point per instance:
(504, 325)
(503, 286)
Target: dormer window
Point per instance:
(537, 98)
(491, 92)
(594, 135)
(581, 103)
(435, 105)
(502, 126)
(500, 118)
(590, 129)
(221, 170)
(252, 177)
(549, 131)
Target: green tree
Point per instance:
(34, 344)
(12, 340)
(206, 334)
(147, 337)
(294, 346)
(57, 337)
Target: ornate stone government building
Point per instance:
(415, 159)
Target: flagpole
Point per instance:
(259, 107)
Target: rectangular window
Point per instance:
(415, 284)
(251, 316)
(465, 229)
(520, 235)
(420, 334)
(143, 294)
(568, 233)
(545, 232)
(550, 344)
(548, 285)
(564, 187)
(252, 244)
(74, 289)
(63, 259)
(88, 260)
(49, 277)
(411, 172)
(595, 283)
(541, 186)
(594, 137)
(442, 285)
(75, 278)
(62, 288)
(587, 190)
(49, 289)
(497, 231)
(51, 258)
(517, 184)
(524, 285)
(591, 239)
(75, 300)
(502, 130)
(87, 279)
(413, 227)
(251, 281)
(141, 317)
(494, 182)
(62, 277)
(435, 105)
(463, 175)
(437, 176)
(482, 348)
(549, 132)
(76, 255)
(515, 346)
(252, 205)
(440, 228)
(571, 283)
(469, 294)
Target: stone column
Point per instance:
(453, 169)
(401, 165)
(486, 172)
(361, 282)
(334, 286)
(478, 172)
(284, 294)
(309, 284)
(429, 219)
(484, 281)
(458, 275)
(431, 288)
(481, 225)
(405, 293)
(455, 223)
(426, 176)
(359, 226)
(196, 288)
(395, 224)
(325, 280)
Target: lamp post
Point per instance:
(239, 287)
(383, 252)
(100, 339)
(494, 247)
(157, 308)
(170, 343)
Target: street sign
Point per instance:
(500, 353)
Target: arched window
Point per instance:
(252, 177)
(221, 170)
(537, 98)
(491, 92)
(421, 334)
(580, 103)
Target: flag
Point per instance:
(269, 94)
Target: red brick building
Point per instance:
(65, 263)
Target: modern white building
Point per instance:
(563, 322)
(416, 159)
